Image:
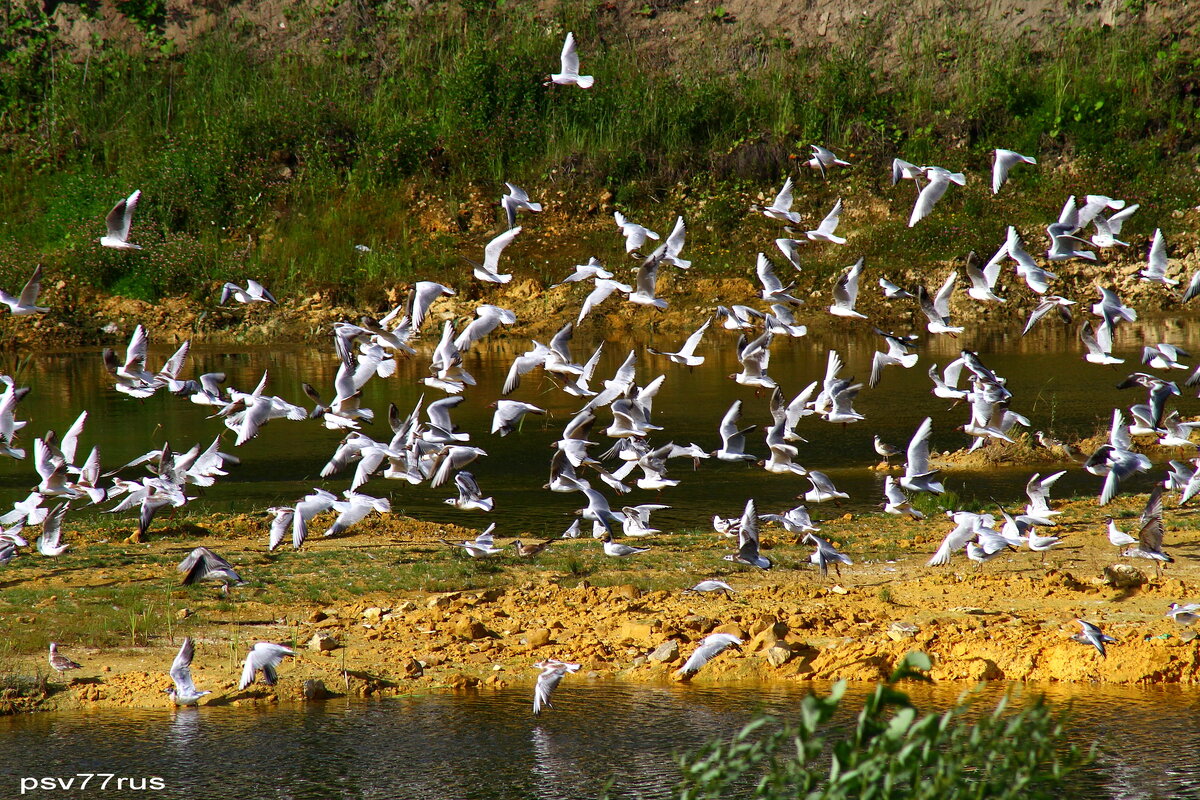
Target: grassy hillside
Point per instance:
(392, 127)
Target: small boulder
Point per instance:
(314, 689)
(1124, 576)
(322, 641)
(666, 652)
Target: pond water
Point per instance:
(599, 735)
(1052, 385)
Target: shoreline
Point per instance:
(618, 622)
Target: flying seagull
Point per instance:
(263, 656)
(570, 68)
(119, 221)
(184, 693)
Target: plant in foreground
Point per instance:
(900, 754)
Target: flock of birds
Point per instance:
(426, 446)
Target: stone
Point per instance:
(317, 616)
(314, 689)
(414, 668)
(626, 592)
(902, 630)
(183, 613)
(1124, 576)
(778, 654)
(538, 637)
(322, 641)
(642, 632)
(467, 628)
(372, 614)
(731, 628)
(666, 652)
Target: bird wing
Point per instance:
(918, 450)
(933, 191)
(783, 200)
(941, 301)
(1150, 537)
(181, 668)
(34, 285)
(570, 56)
(491, 253)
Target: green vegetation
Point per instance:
(885, 754)
(274, 159)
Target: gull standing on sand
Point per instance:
(184, 693)
(569, 64)
(553, 671)
(713, 645)
(618, 549)
(1004, 161)
(27, 302)
(60, 663)
(119, 221)
(264, 656)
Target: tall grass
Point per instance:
(275, 162)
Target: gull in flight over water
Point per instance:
(264, 657)
(184, 693)
(553, 671)
(713, 645)
(27, 302)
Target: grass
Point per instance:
(275, 164)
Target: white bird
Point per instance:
(918, 477)
(1091, 634)
(713, 645)
(748, 544)
(635, 235)
(553, 671)
(509, 414)
(896, 501)
(487, 271)
(487, 318)
(673, 246)
(1184, 614)
(983, 281)
(602, 291)
(822, 488)
(49, 543)
(939, 180)
(1098, 343)
(1156, 268)
(592, 269)
(119, 220)
(569, 62)
(1004, 161)
(646, 280)
(937, 309)
(781, 208)
(893, 292)
(897, 353)
(773, 289)
(264, 657)
(1038, 492)
(755, 357)
(845, 292)
(618, 549)
(825, 231)
(1049, 303)
(203, 564)
(1116, 536)
(27, 302)
(905, 170)
(184, 693)
(710, 586)
(794, 520)
(1164, 356)
(733, 438)
(421, 299)
(470, 498)
(823, 158)
(791, 250)
(825, 554)
(686, 355)
(516, 200)
(253, 293)
(481, 546)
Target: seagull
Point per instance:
(937, 309)
(755, 356)
(602, 291)
(885, 450)
(748, 546)
(845, 292)
(893, 292)
(50, 541)
(1184, 614)
(686, 355)
(823, 158)
(644, 293)
(253, 293)
(470, 498)
(791, 250)
(673, 246)
(897, 353)
(570, 68)
(825, 231)
(773, 290)
(635, 235)
(1116, 536)
(733, 439)
(592, 269)
(184, 693)
(794, 520)
(1092, 635)
(939, 180)
(710, 586)
(1038, 492)
(553, 671)
(918, 477)
(203, 564)
(509, 414)
(904, 170)
(482, 546)
(486, 271)
(487, 318)
(713, 645)
(531, 550)
(60, 663)
(983, 281)
(1149, 539)
(825, 554)
(119, 221)
(1156, 268)
(781, 208)
(619, 549)
(896, 501)
(263, 656)
(421, 298)
(1004, 161)
(1050, 302)
(517, 200)
(1098, 343)
(27, 302)
(822, 488)
(1164, 356)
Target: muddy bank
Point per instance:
(1012, 619)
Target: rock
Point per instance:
(626, 592)
(314, 689)
(837, 589)
(372, 614)
(183, 613)
(640, 661)
(642, 632)
(666, 652)
(467, 628)
(322, 641)
(317, 616)
(538, 637)
(902, 630)
(1123, 576)
(730, 628)
(460, 681)
(778, 654)
(414, 668)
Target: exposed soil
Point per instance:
(1010, 619)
